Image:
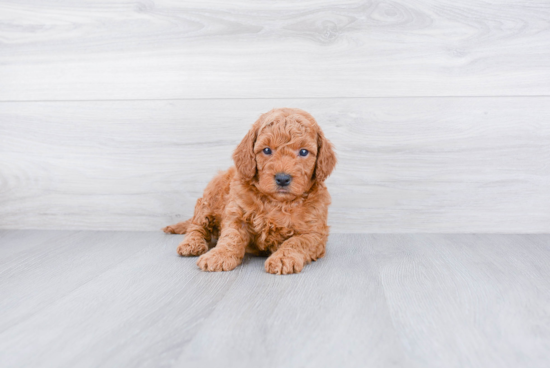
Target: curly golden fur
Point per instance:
(250, 210)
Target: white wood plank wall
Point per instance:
(115, 114)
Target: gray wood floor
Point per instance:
(125, 299)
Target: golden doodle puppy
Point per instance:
(272, 202)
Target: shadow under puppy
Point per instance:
(272, 202)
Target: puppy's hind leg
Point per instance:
(179, 228)
(199, 231)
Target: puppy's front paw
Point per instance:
(284, 262)
(218, 260)
(192, 245)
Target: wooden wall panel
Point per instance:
(405, 164)
(103, 50)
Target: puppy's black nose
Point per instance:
(282, 179)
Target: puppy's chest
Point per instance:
(272, 226)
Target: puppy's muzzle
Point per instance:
(283, 180)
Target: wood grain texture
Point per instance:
(374, 301)
(405, 165)
(35, 265)
(100, 50)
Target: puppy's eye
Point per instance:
(304, 152)
(267, 151)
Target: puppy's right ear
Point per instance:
(244, 157)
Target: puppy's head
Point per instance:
(284, 153)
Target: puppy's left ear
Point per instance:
(244, 157)
(326, 158)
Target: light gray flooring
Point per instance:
(125, 299)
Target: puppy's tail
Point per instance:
(179, 228)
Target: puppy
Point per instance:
(272, 202)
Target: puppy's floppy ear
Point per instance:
(244, 157)
(326, 158)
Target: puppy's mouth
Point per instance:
(283, 194)
(283, 190)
